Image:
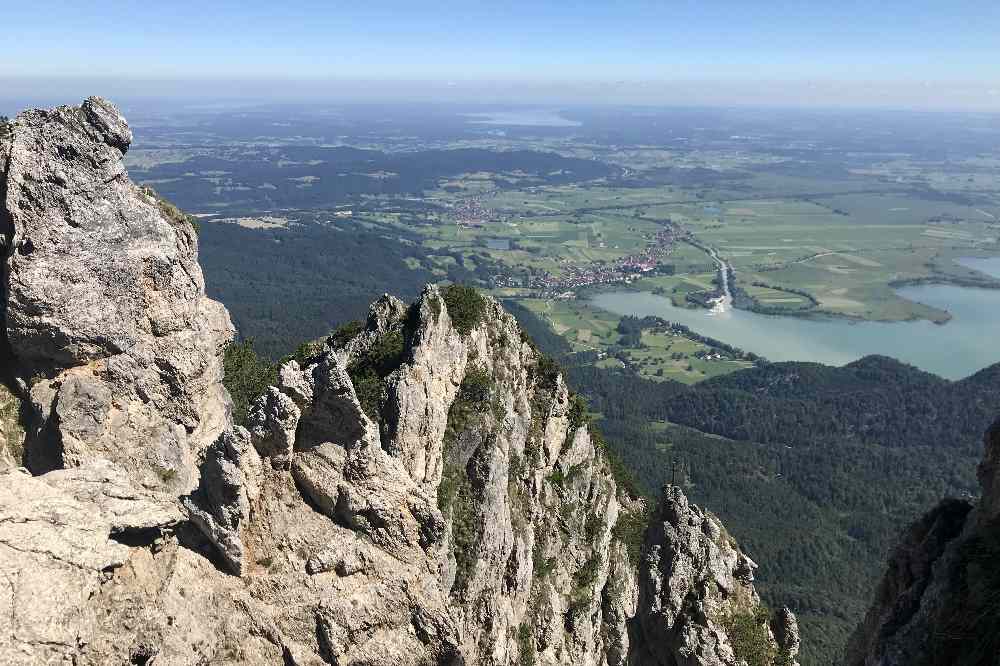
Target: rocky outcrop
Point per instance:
(230, 477)
(460, 456)
(938, 603)
(423, 490)
(60, 536)
(697, 603)
(11, 429)
(105, 304)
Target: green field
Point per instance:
(802, 244)
(659, 356)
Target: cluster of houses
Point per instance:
(473, 211)
(573, 277)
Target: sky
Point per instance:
(917, 53)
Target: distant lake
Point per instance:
(989, 265)
(523, 117)
(954, 350)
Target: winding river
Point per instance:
(967, 343)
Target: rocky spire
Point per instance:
(104, 304)
(697, 603)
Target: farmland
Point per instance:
(812, 221)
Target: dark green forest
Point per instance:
(299, 284)
(269, 177)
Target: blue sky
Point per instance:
(735, 42)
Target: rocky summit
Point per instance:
(423, 489)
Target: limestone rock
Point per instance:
(423, 389)
(105, 298)
(274, 418)
(11, 430)
(60, 534)
(936, 604)
(230, 485)
(989, 475)
(695, 586)
(785, 628)
(293, 382)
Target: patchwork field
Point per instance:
(657, 356)
(831, 238)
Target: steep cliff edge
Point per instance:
(421, 490)
(939, 601)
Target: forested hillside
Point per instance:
(873, 400)
(815, 468)
(298, 284)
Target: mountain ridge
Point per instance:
(424, 490)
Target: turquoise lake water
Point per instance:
(967, 343)
(989, 265)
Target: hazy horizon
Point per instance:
(917, 55)
(21, 92)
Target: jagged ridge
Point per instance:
(423, 490)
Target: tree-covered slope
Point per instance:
(874, 400)
(815, 468)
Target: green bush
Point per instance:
(622, 475)
(542, 566)
(476, 389)
(369, 371)
(546, 372)
(578, 412)
(456, 500)
(246, 376)
(577, 416)
(526, 645)
(345, 333)
(586, 576)
(748, 634)
(170, 211)
(466, 307)
(631, 530)
(305, 354)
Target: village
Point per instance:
(621, 271)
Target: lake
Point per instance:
(988, 265)
(522, 118)
(967, 343)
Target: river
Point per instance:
(724, 303)
(954, 350)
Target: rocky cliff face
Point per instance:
(104, 304)
(939, 601)
(424, 490)
(697, 603)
